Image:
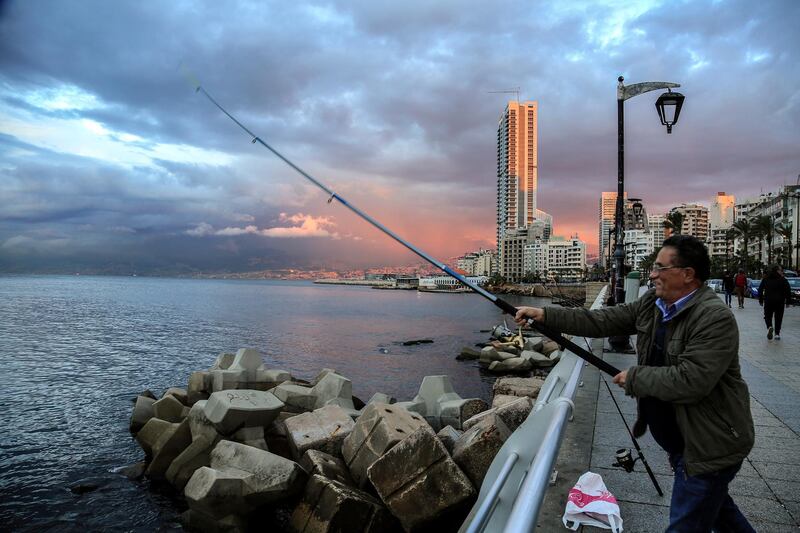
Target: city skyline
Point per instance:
(109, 158)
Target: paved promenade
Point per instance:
(767, 488)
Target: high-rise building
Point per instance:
(655, 221)
(517, 168)
(639, 244)
(608, 205)
(607, 219)
(511, 260)
(721, 217)
(562, 258)
(721, 214)
(695, 220)
(480, 263)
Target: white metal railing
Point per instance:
(515, 484)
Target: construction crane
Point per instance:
(513, 90)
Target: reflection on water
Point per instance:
(76, 350)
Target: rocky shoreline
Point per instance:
(247, 445)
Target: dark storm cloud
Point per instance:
(390, 93)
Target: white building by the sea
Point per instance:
(446, 282)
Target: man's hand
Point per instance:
(620, 378)
(524, 313)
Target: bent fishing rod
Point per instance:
(499, 302)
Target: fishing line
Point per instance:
(499, 302)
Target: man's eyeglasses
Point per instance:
(660, 268)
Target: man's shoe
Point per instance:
(777, 336)
(769, 333)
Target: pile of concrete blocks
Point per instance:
(383, 468)
(239, 480)
(441, 406)
(508, 358)
(328, 388)
(509, 389)
(244, 370)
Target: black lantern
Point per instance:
(637, 209)
(669, 106)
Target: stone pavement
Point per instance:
(767, 488)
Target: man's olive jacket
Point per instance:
(701, 377)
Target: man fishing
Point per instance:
(687, 382)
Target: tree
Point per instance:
(646, 263)
(784, 229)
(718, 266)
(496, 279)
(730, 236)
(765, 230)
(674, 222)
(744, 230)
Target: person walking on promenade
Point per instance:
(687, 381)
(727, 287)
(740, 286)
(774, 294)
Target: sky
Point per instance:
(110, 159)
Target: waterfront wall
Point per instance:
(567, 291)
(366, 282)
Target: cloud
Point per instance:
(304, 226)
(201, 230)
(389, 105)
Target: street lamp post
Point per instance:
(668, 106)
(796, 231)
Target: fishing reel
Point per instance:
(624, 459)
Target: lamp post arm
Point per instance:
(629, 91)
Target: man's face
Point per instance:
(670, 283)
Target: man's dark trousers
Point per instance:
(702, 503)
(773, 309)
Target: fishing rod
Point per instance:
(499, 302)
(623, 455)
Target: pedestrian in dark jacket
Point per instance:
(690, 391)
(774, 294)
(727, 287)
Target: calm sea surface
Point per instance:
(76, 349)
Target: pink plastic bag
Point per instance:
(590, 504)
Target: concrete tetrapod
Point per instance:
(199, 387)
(240, 479)
(325, 465)
(512, 413)
(247, 371)
(441, 405)
(474, 451)
(529, 387)
(331, 506)
(169, 446)
(379, 428)
(169, 408)
(323, 429)
(419, 482)
(142, 412)
(330, 389)
(231, 410)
